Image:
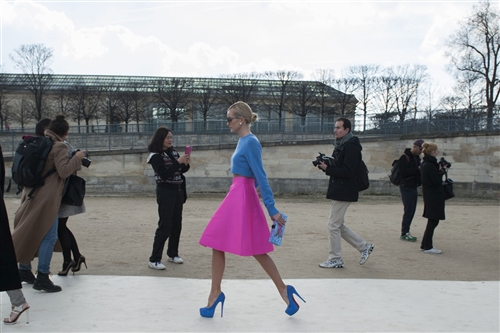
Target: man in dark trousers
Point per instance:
(343, 190)
(409, 170)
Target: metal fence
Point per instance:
(216, 132)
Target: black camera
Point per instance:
(444, 163)
(85, 161)
(328, 160)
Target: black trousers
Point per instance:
(409, 196)
(428, 234)
(170, 203)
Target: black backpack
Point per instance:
(29, 161)
(362, 176)
(395, 176)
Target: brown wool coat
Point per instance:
(35, 217)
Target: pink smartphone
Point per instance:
(188, 150)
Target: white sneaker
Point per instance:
(339, 263)
(176, 260)
(156, 265)
(366, 253)
(433, 251)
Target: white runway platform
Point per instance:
(161, 304)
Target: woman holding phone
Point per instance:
(169, 168)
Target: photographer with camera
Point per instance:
(409, 170)
(432, 173)
(342, 190)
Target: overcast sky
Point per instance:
(209, 38)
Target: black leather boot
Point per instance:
(43, 282)
(26, 276)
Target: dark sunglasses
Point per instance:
(230, 119)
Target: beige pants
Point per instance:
(337, 230)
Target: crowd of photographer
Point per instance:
(413, 172)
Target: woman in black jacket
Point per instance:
(432, 186)
(169, 168)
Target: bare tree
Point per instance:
(366, 75)
(24, 115)
(85, 104)
(280, 93)
(110, 103)
(172, 94)
(240, 87)
(451, 103)
(345, 98)
(386, 95)
(141, 106)
(34, 61)
(409, 79)
(325, 92)
(207, 96)
(431, 100)
(469, 90)
(5, 109)
(62, 98)
(475, 48)
(130, 104)
(304, 101)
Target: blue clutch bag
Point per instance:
(277, 231)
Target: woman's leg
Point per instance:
(166, 202)
(74, 245)
(268, 264)
(47, 248)
(175, 232)
(16, 297)
(429, 234)
(218, 266)
(64, 239)
(19, 305)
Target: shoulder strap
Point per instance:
(41, 181)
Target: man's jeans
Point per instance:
(45, 251)
(409, 196)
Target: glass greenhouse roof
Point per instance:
(14, 82)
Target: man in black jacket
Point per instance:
(342, 190)
(409, 170)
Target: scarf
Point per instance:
(339, 143)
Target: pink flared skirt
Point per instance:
(239, 225)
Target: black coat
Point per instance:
(409, 169)
(9, 274)
(432, 188)
(343, 185)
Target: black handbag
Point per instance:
(448, 188)
(74, 191)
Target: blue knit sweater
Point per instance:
(247, 161)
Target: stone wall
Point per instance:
(475, 167)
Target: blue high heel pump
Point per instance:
(293, 306)
(209, 312)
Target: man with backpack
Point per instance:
(409, 171)
(343, 189)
